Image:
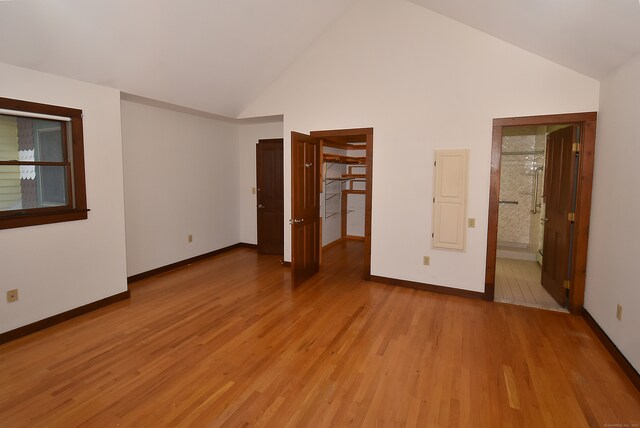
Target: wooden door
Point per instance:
(270, 196)
(559, 195)
(305, 207)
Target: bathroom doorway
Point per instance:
(521, 218)
(539, 210)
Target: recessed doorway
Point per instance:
(527, 187)
(330, 170)
(539, 210)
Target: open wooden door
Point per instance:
(305, 207)
(270, 197)
(559, 195)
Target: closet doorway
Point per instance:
(332, 209)
(539, 210)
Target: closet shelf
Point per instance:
(345, 177)
(355, 192)
(349, 160)
(354, 176)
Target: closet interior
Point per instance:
(343, 191)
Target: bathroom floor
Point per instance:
(518, 282)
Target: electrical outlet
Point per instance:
(471, 222)
(426, 260)
(619, 313)
(12, 295)
(190, 238)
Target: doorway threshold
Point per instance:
(518, 283)
(532, 305)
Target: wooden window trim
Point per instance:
(76, 209)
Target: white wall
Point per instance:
(614, 239)
(423, 82)
(249, 134)
(58, 267)
(181, 178)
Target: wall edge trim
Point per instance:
(162, 269)
(45, 323)
(428, 287)
(613, 350)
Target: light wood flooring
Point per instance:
(518, 282)
(225, 342)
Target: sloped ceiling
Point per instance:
(217, 56)
(211, 55)
(593, 37)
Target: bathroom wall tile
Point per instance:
(516, 224)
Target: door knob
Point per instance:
(260, 206)
(544, 220)
(298, 220)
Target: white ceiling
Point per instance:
(210, 55)
(592, 37)
(217, 56)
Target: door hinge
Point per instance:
(434, 163)
(434, 200)
(567, 284)
(572, 217)
(576, 147)
(432, 235)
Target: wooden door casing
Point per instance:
(341, 139)
(270, 196)
(588, 124)
(559, 192)
(305, 207)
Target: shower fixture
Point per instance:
(536, 181)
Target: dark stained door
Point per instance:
(305, 207)
(270, 196)
(559, 193)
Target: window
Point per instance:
(41, 164)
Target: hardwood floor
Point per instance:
(225, 342)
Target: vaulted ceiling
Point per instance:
(218, 55)
(593, 37)
(210, 55)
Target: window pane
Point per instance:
(52, 185)
(8, 138)
(27, 139)
(48, 140)
(42, 186)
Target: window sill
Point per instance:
(35, 219)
